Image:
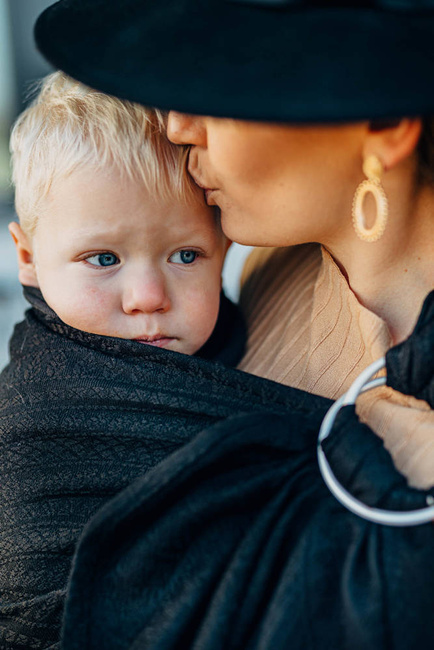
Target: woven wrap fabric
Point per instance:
(234, 542)
(81, 417)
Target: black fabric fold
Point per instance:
(81, 418)
(410, 364)
(234, 541)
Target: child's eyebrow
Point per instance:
(105, 231)
(110, 237)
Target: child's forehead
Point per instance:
(87, 204)
(109, 184)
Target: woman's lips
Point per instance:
(207, 190)
(158, 341)
(202, 185)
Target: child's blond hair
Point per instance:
(69, 126)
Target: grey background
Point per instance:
(20, 66)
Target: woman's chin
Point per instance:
(254, 230)
(241, 230)
(238, 228)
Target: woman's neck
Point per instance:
(392, 276)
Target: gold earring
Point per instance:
(373, 169)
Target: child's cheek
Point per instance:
(97, 305)
(89, 309)
(201, 310)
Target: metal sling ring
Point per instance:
(375, 515)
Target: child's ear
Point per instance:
(26, 265)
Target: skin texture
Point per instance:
(149, 291)
(283, 185)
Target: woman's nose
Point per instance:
(146, 297)
(183, 128)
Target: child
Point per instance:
(119, 255)
(113, 232)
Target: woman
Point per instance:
(341, 92)
(318, 319)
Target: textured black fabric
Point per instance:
(410, 364)
(82, 416)
(303, 62)
(234, 542)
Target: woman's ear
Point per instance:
(26, 265)
(393, 142)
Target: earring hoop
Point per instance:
(373, 169)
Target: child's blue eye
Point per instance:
(184, 257)
(103, 259)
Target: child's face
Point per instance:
(109, 259)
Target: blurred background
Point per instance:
(20, 66)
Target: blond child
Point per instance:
(112, 230)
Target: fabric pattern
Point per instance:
(234, 542)
(82, 416)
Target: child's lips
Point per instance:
(159, 340)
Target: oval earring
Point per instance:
(373, 169)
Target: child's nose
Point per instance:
(186, 129)
(146, 295)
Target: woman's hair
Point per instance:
(425, 150)
(69, 126)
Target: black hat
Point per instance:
(272, 60)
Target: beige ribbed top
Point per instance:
(307, 329)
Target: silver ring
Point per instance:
(376, 515)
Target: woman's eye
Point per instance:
(103, 259)
(184, 257)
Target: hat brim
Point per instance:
(231, 60)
